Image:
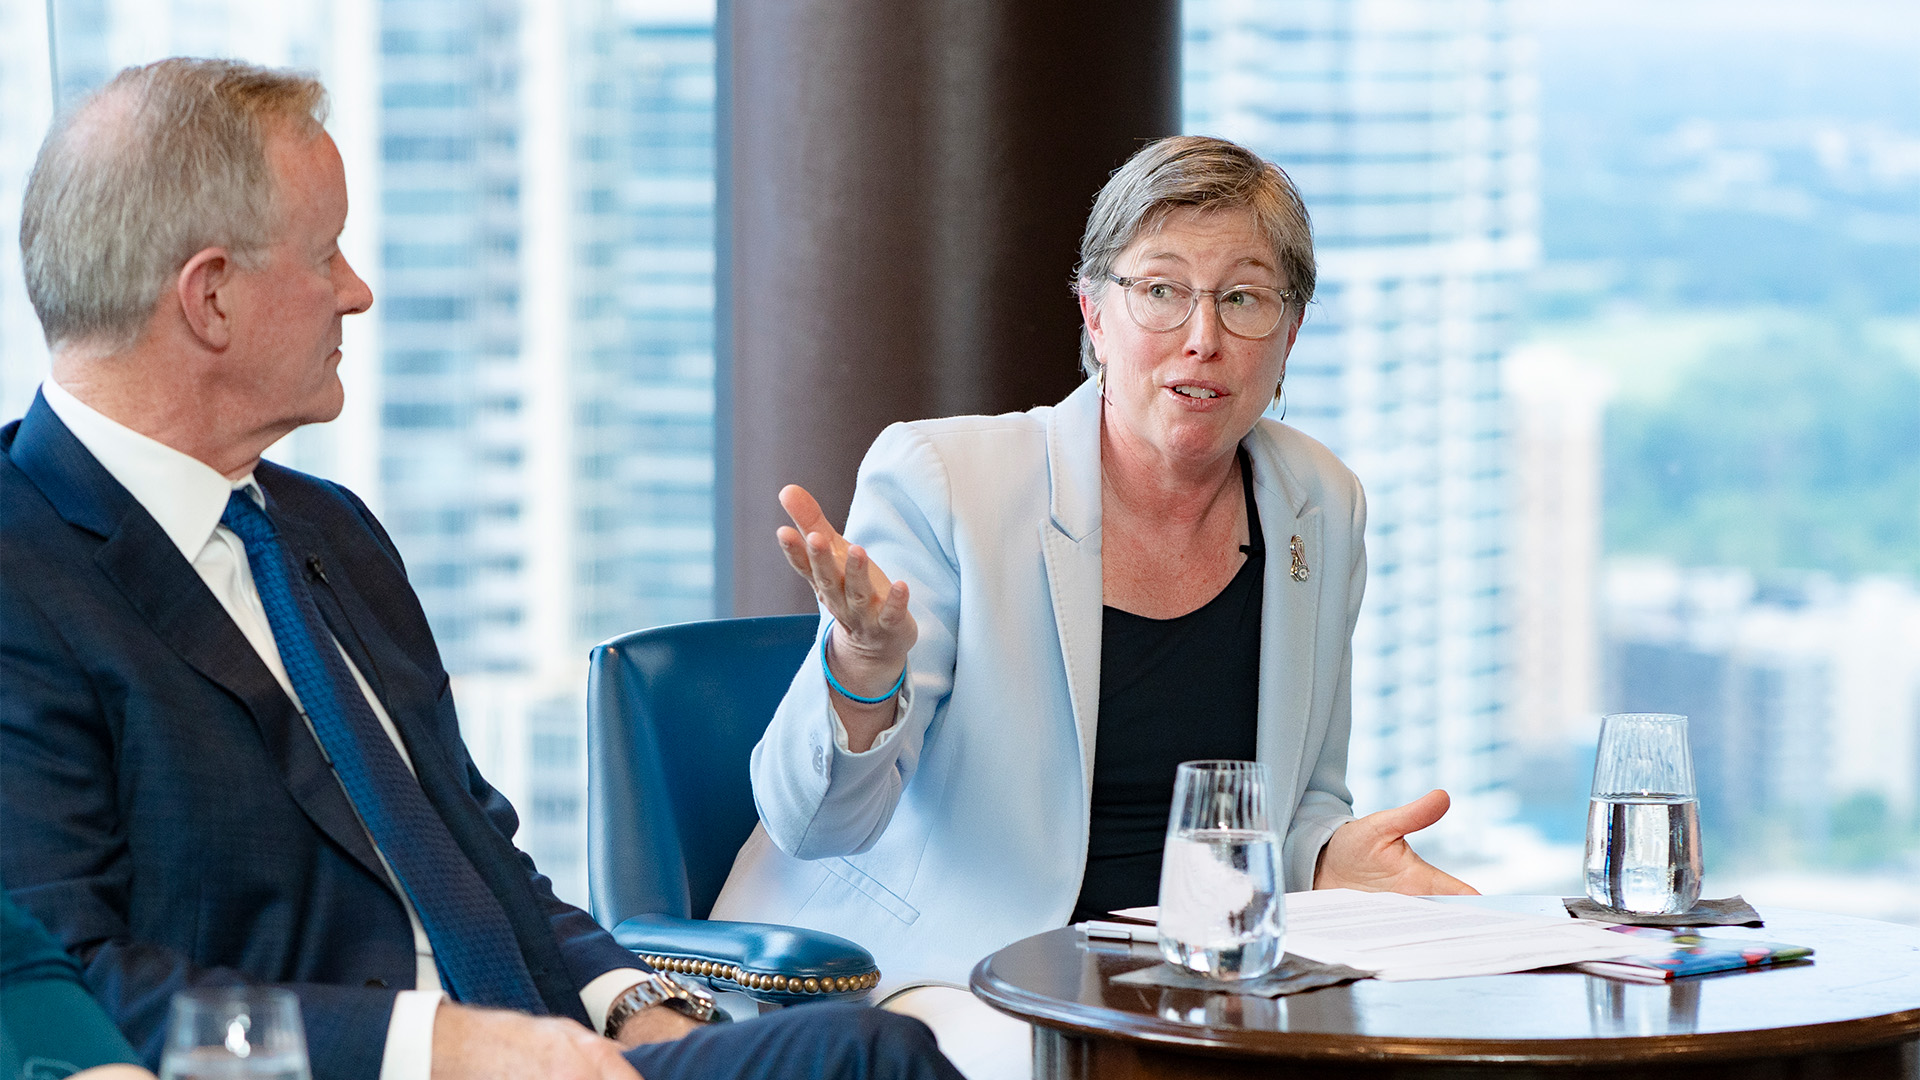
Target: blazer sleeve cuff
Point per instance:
(1301, 852)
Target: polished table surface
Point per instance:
(1853, 1011)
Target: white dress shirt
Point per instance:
(187, 498)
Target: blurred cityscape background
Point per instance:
(1619, 322)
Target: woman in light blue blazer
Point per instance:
(1073, 600)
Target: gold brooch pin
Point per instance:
(1299, 549)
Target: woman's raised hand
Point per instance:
(1371, 853)
(873, 631)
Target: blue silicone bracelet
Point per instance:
(843, 691)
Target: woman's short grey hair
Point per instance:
(1200, 173)
(163, 162)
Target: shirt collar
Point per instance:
(185, 495)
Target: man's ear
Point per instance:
(199, 287)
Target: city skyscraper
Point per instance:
(547, 240)
(1409, 129)
(1557, 408)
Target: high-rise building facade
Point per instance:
(644, 360)
(1409, 129)
(1557, 404)
(547, 319)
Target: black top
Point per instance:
(1171, 690)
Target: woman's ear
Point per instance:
(1090, 314)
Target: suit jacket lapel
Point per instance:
(139, 559)
(353, 626)
(1070, 543)
(1289, 614)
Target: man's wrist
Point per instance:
(657, 988)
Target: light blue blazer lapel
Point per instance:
(1070, 543)
(1289, 614)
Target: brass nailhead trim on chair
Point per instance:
(756, 980)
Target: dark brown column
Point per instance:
(904, 183)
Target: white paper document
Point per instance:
(1400, 938)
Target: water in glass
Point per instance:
(1643, 853)
(215, 1063)
(1221, 903)
(235, 1033)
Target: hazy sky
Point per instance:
(1891, 24)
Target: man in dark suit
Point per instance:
(228, 750)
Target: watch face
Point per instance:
(692, 1000)
(692, 1009)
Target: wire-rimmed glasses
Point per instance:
(1248, 311)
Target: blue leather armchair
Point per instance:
(672, 715)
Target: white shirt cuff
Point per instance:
(599, 995)
(409, 1050)
(902, 704)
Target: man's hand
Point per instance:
(488, 1044)
(655, 1023)
(1371, 853)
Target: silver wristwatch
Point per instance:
(659, 988)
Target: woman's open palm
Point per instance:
(870, 610)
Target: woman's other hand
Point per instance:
(872, 632)
(1371, 853)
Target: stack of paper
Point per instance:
(1399, 938)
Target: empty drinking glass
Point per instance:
(1220, 885)
(1643, 825)
(235, 1033)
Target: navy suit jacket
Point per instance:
(167, 812)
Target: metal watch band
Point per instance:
(656, 988)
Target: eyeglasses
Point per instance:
(1248, 311)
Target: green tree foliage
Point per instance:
(1867, 835)
(1801, 452)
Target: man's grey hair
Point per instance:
(161, 163)
(1200, 173)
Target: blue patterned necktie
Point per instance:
(479, 958)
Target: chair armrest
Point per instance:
(784, 965)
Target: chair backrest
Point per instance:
(672, 715)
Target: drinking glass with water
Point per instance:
(235, 1033)
(1643, 825)
(1221, 901)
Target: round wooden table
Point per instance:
(1852, 1013)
